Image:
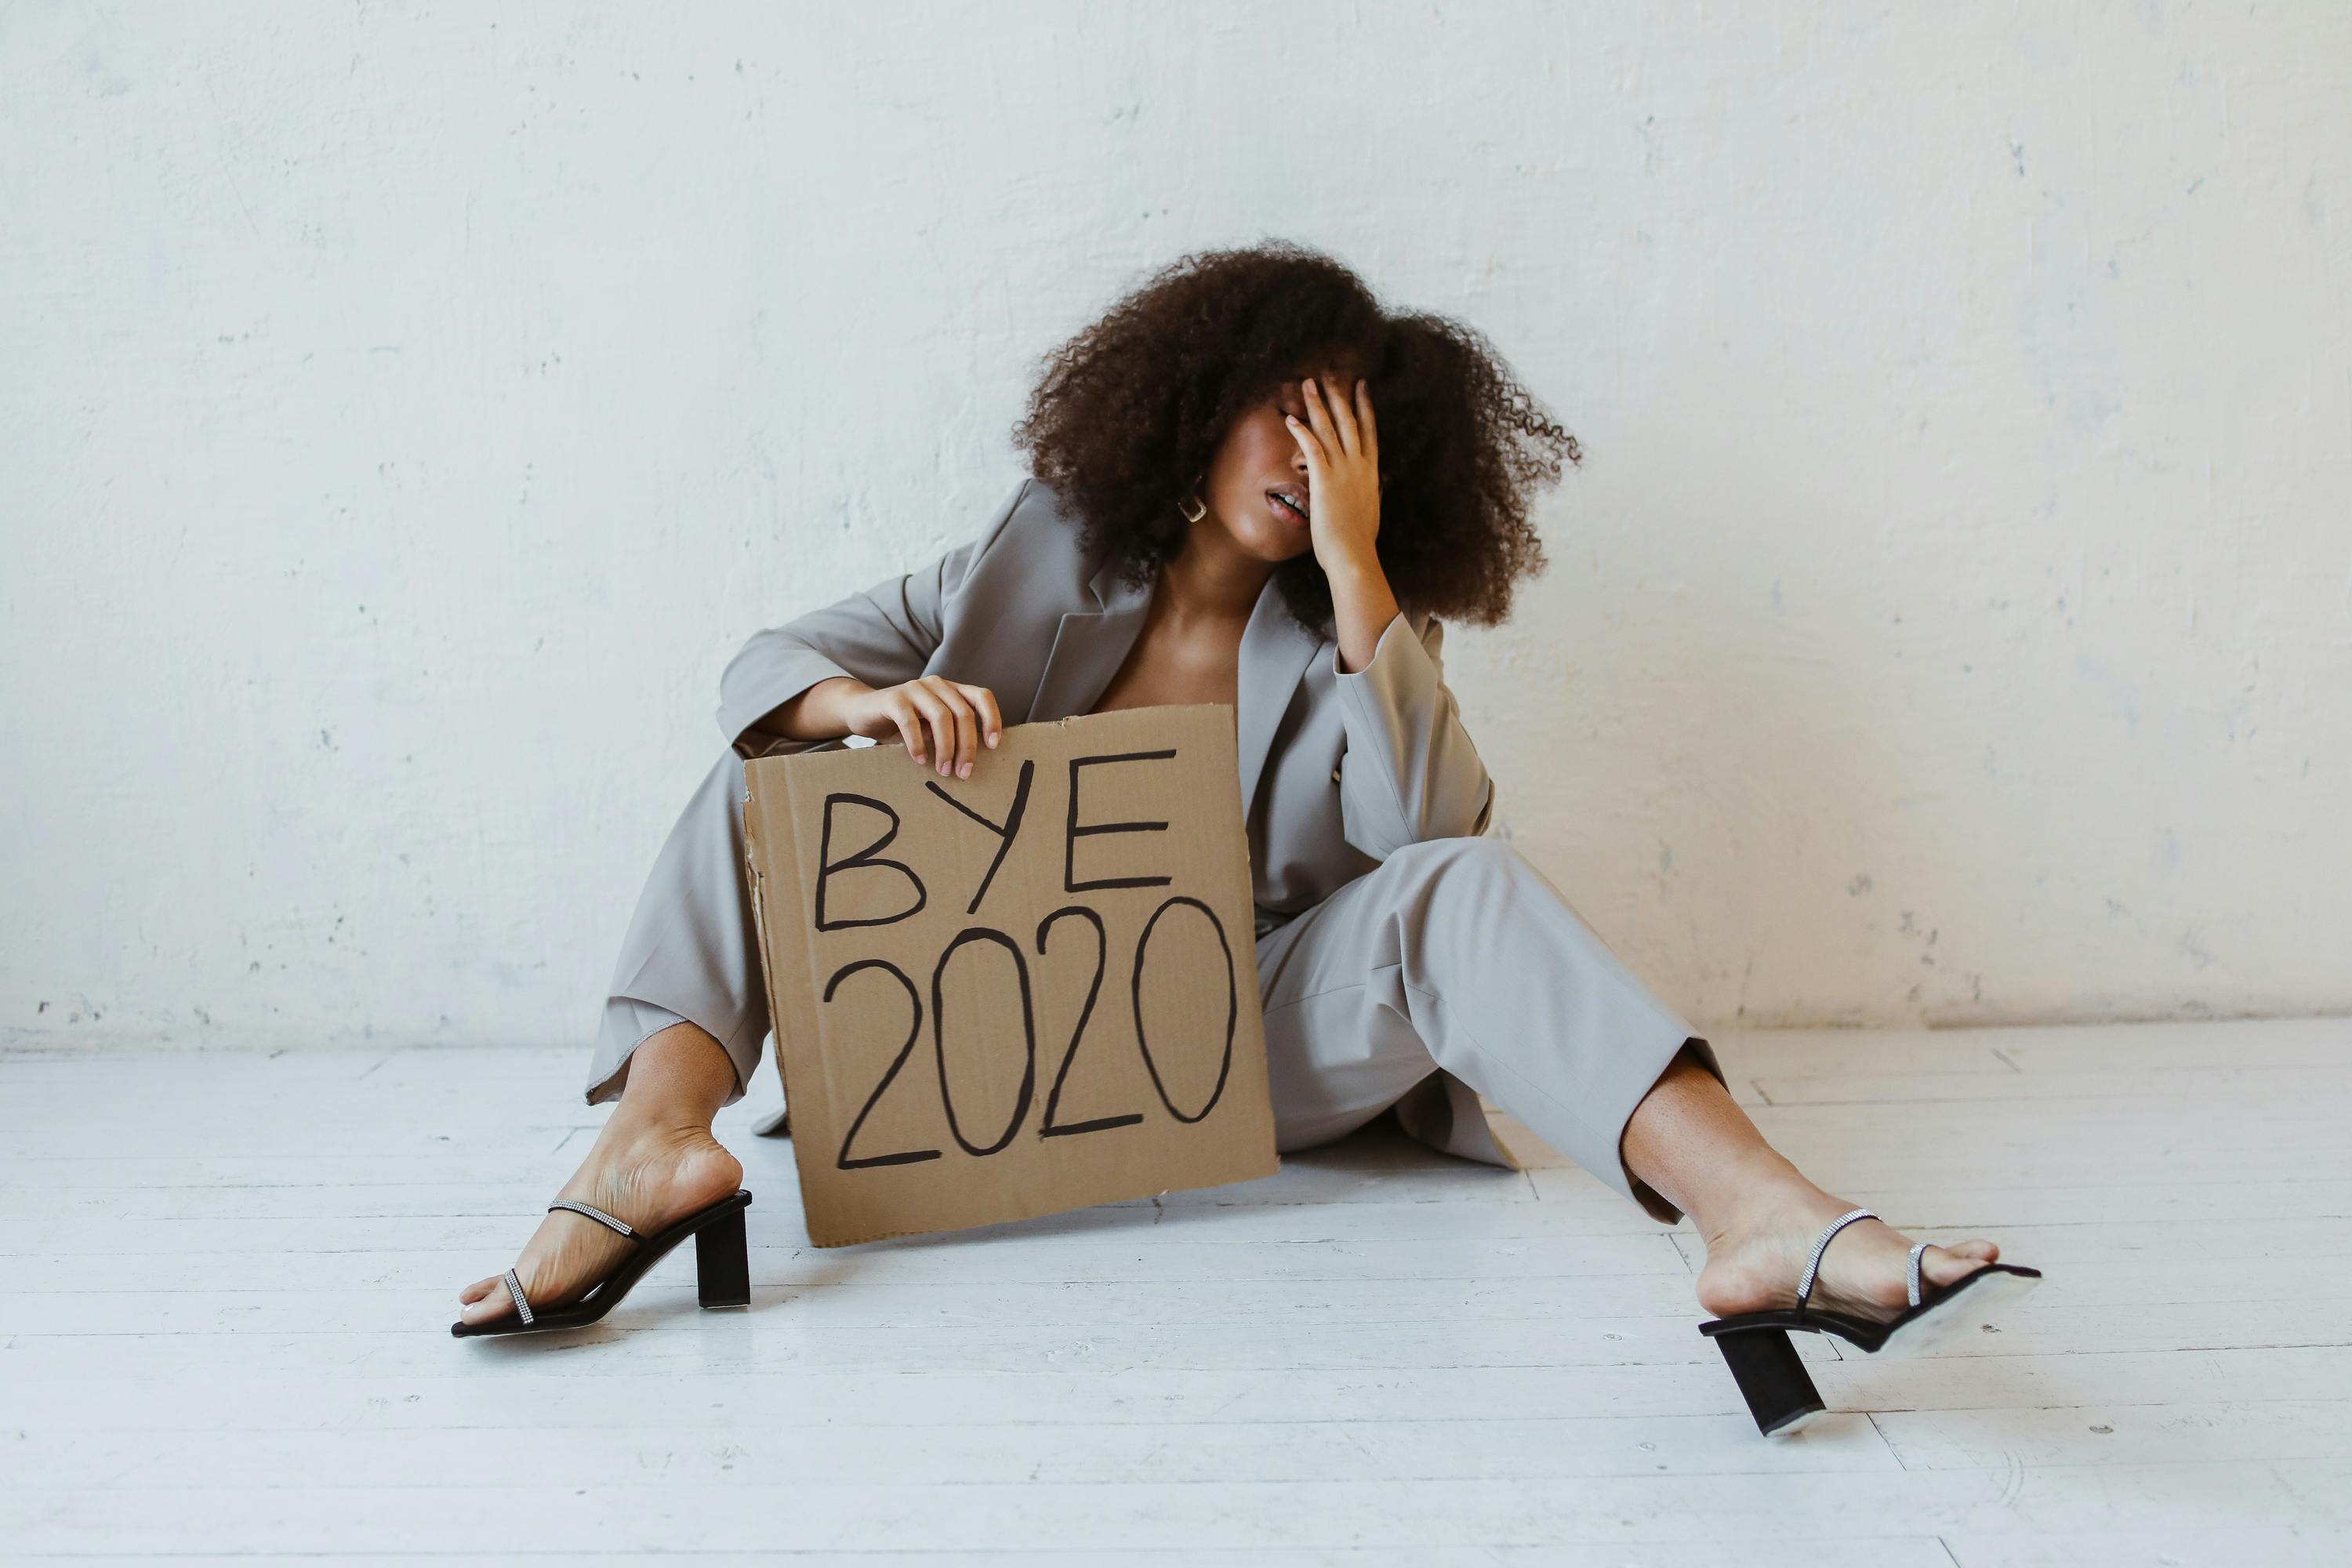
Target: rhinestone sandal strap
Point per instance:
(576, 1206)
(1813, 1264)
(1916, 1253)
(522, 1303)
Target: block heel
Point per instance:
(722, 1262)
(1780, 1393)
(721, 1256)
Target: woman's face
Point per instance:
(1259, 457)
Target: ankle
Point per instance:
(678, 1079)
(1765, 1194)
(656, 1122)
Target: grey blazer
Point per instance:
(1338, 771)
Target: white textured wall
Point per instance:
(406, 411)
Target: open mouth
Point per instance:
(1284, 507)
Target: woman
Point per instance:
(1299, 578)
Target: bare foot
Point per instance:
(648, 1176)
(1755, 1263)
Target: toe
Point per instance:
(493, 1304)
(1942, 1266)
(477, 1290)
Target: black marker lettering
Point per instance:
(845, 1161)
(1028, 1034)
(869, 858)
(1078, 830)
(1233, 1006)
(1005, 831)
(1051, 1127)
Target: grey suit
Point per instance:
(1403, 961)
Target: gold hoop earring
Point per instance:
(1193, 508)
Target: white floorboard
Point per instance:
(227, 1278)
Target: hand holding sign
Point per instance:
(960, 719)
(1025, 990)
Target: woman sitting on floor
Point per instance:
(1252, 486)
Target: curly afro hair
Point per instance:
(1134, 405)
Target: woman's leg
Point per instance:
(682, 1031)
(1758, 1212)
(692, 949)
(1457, 954)
(653, 1164)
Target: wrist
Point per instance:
(825, 712)
(1362, 609)
(1359, 588)
(1355, 572)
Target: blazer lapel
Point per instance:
(1275, 652)
(1090, 647)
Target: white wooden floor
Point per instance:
(227, 1278)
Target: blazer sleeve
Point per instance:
(1410, 772)
(883, 636)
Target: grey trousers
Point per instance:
(1454, 953)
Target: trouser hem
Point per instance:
(644, 1020)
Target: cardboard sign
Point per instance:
(1019, 993)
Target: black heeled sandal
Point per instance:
(1780, 1394)
(723, 1267)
